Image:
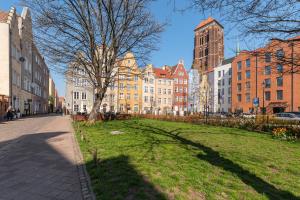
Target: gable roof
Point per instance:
(3, 16)
(162, 73)
(206, 22)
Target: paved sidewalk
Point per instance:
(38, 160)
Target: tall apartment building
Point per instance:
(208, 45)
(164, 90)
(262, 80)
(148, 87)
(26, 88)
(129, 82)
(222, 86)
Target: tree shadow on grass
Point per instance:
(214, 158)
(116, 179)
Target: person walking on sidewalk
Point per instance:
(9, 113)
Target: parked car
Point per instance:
(292, 116)
(248, 115)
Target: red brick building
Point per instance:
(266, 74)
(208, 45)
(180, 97)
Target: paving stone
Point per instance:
(37, 160)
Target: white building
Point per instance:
(194, 91)
(79, 92)
(222, 87)
(148, 87)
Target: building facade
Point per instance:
(222, 87)
(194, 91)
(164, 90)
(265, 81)
(79, 94)
(148, 87)
(24, 80)
(180, 91)
(129, 81)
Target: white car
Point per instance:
(288, 116)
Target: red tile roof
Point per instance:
(3, 16)
(206, 22)
(162, 73)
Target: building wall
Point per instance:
(164, 95)
(222, 88)
(79, 94)
(4, 59)
(129, 85)
(148, 87)
(256, 89)
(180, 92)
(194, 91)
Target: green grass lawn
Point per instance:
(169, 160)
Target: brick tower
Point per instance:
(208, 45)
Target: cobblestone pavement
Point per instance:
(38, 159)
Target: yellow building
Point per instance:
(129, 85)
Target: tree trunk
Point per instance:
(94, 114)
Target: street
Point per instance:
(38, 159)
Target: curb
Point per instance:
(84, 178)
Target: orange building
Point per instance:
(266, 79)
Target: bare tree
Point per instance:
(95, 35)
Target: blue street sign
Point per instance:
(256, 102)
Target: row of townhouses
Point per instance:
(25, 84)
(133, 90)
(250, 82)
(265, 80)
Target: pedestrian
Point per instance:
(9, 114)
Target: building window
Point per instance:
(219, 74)
(267, 57)
(267, 83)
(146, 99)
(159, 82)
(136, 108)
(279, 68)
(239, 97)
(164, 91)
(267, 95)
(248, 63)
(83, 96)
(76, 95)
(159, 90)
(239, 64)
(223, 82)
(151, 90)
(159, 101)
(219, 83)
(248, 74)
(146, 89)
(280, 54)
(128, 96)
(136, 96)
(136, 77)
(279, 81)
(229, 81)
(169, 91)
(121, 95)
(239, 87)
(239, 76)
(247, 97)
(247, 85)
(267, 70)
(76, 108)
(279, 95)
(230, 72)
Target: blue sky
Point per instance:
(177, 39)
